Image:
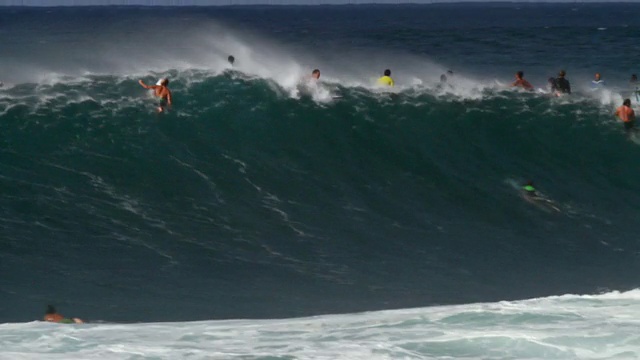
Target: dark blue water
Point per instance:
(256, 197)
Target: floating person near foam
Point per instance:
(531, 194)
(445, 81)
(521, 82)
(386, 79)
(315, 74)
(162, 91)
(51, 315)
(597, 83)
(627, 115)
(311, 81)
(561, 85)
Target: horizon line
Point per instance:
(228, 3)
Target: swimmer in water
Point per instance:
(562, 85)
(521, 82)
(597, 83)
(386, 80)
(162, 91)
(627, 115)
(231, 59)
(52, 316)
(315, 74)
(530, 194)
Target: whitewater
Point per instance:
(560, 327)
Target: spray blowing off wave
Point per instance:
(196, 43)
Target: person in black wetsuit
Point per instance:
(562, 85)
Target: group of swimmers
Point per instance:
(560, 86)
(161, 88)
(557, 86)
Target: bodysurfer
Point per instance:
(530, 194)
(521, 82)
(162, 91)
(597, 83)
(386, 79)
(627, 115)
(52, 316)
(562, 85)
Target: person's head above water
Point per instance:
(626, 102)
(443, 78)
(597, 76)
(634, 77)
(315, 74)
(387, 72)
(562, 73)
(231, 59)
(519, 75)
(50, 310)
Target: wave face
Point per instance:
(257, 197)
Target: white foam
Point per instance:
(559, 327)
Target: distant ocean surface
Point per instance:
(261, 196)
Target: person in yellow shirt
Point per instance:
(386, 80)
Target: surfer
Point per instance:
(161, 91)
(530, 194)
(386, 79)
(52, 316)
(597, 83)
(231, 59)
(521, 82)
(627, 115)
(562, 85)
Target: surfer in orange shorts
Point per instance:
(53, 316)
(162, 91)
(627, 115)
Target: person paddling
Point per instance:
(52, 315)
